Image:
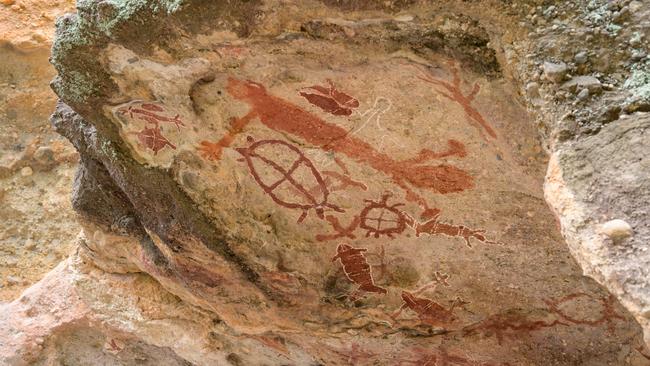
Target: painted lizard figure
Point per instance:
(283, 116)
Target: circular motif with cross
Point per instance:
(378, 218)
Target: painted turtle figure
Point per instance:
(287, 176)
(378, 218)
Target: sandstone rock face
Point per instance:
(594, 127)
(268, 183)
(595, 182)
(37, 165)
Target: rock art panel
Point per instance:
(282, 116)
(370, 208)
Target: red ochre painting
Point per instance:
(453, 92)
(153, 139)
(357, 269)
(330, 99)
(285, 117)
(427, 310)
(410, 175)
(352, 218)
(153, 116)
(301, 196)
(514, 324)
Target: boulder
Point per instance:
(579, 83)
(555, 71)
(598, 186)
(306, 187)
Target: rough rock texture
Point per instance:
(36, 164)
(597, 179)
(595, 129)
(312, 183)
(80, 315)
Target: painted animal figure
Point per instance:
(150, 112)
(340, 231)
(265, 153)
(453, 92)
(282, 116)
(428, 311)
(435, 227)
(357, 269)
(330, 99)
(607, 313)
(509, 324)
(153, 139)
(379, 218)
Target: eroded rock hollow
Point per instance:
(304, 183)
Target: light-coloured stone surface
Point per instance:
(36, 165)
(380, 205)
(342, 183)
(604, 102)
(599, 179)
(81, 315)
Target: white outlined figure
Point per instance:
(381, 106)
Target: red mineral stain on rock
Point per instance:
(275, 342)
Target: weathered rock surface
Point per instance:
(589, 182)
(555, 72)
(594, 181)
(81, 315)
(37, 165)
(268, 183)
